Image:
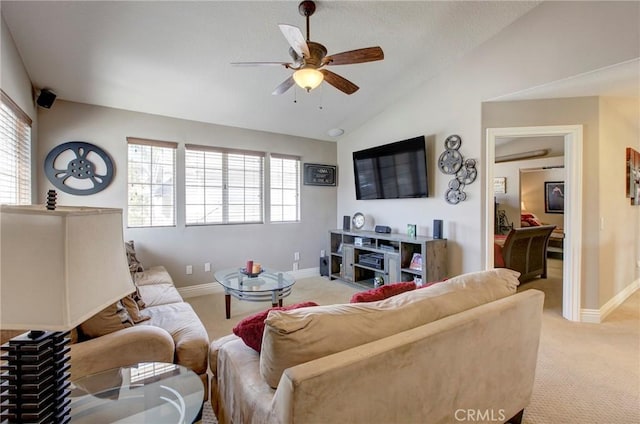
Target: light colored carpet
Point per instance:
(586, 373)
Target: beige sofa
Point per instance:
(462, 350)
(174, 333)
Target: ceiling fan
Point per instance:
(310, 59)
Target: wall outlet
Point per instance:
(295, 266)
(296, 256)
(207, 267)
(322, 252)
(189, 270)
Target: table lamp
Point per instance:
(57, 268)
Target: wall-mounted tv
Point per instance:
(392, 171)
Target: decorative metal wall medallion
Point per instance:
(451, 162)
(88, 168)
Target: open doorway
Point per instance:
(572, 222)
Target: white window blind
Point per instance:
(285, 188)
(223, 186)
(151, 183)
(15, 153)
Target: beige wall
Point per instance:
(567, 111)
(555, 40)
(175, 247)
(510, 201)
(620, 222)
(608, 252)
(533, 193)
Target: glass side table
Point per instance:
(149, 392)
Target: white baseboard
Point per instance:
(305, 273)
(199, 290)
(596, 316)
(209, 288)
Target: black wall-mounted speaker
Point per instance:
(46, 98)
(382, 229)
(437, 228)
(346, 222)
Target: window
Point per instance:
(15, 153)
(285, 188)
(151, 183)
(223, 186)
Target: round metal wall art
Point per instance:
(89, 169)
(451, 162)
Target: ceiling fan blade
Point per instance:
(339, 82)
(285, 64)
(284, 86)
(369, 54)
(295, 39)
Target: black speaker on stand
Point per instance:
(324, 266)
(346, 222)
(437, 228)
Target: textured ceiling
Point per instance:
(173, 58)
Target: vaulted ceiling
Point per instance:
(173, 58)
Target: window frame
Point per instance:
(297, 189)
(18, 134)
(143, 142)
(224, 185)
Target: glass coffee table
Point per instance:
(268, 285)
(149, 392)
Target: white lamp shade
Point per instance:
(60, 267)
(308, 78)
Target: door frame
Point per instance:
(572, 249)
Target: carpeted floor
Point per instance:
(586, 373)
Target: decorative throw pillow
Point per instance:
(382, 292)
(112, 318)
(134, 264)
(133, 309)
(530, 219)
(250, 329)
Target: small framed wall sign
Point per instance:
(319, 175)
(500, 185)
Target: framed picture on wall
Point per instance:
(633, 176)
(554, 196)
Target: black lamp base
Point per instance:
(34, 385)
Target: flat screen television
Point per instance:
(392, 171)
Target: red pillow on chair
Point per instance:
(529, 219)
(498, 259)
(251, 328)
(382, 292)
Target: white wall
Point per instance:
(15, 82)
(175, 247)
(555, 40)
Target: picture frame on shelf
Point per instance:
(416, 262)
(411, 230)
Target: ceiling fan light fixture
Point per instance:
(308, 78)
